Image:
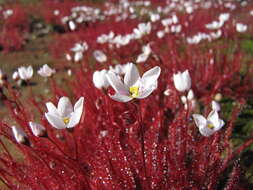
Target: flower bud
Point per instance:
(216, 106)
(218, 97)
(20, 135)
(37, 129)
(182, 81)
(100, 80)
(190, 95)
(167, 92)
(15, 76)
(183, 99)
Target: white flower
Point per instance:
(37, 129)
(99, 56)
(241, 27)
(80, 47)
(56, 12)
(214, 25)
(133, 86)
(154, 17)
(189, 9)
(176, 28)
(25, 73)
(78, 56)
(166, 22)
(182, 81)
(68, 56)
(15, 76)
(223, 17)
(72, 25)
(105, 37)
(64, 116)
(174, 19)
(143, 29)
(160, 34)
(19, 135)
(216, 106)
(146, 50)
(210, 125)
(102, 39)
(46, 71)
(7, 13)
(216, 35)
(120, 40)
(100, 80)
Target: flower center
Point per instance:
(66, 120)
(210, 125)
(134, 91)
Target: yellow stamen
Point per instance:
(134, 91)
(66, 120)
(210, 126)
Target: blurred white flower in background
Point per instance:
(241, 27)
(19, 135)
(25, 73)
(46, 71)
(142, 29)
(78, 50)
(99, 56)
(146, 51)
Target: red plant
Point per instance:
(146, 144)
(14, 27)
(150, 143)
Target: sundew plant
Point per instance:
(155, 95)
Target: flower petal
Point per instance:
(213, 117)
(37, 129)
(145, 93)
(216, 106)
(182, 81)
(78, 107)
(121, 98)
(55, 121)
(64, 107)
(131, 76)
(146, 90)
(116, 83)
(74, 119)
(30, 71)
(221, 124)
(151, 76)
(199, 120)
(51, 108)
(186, 79)
(205, 131)
(178, 82)
(154, 73)
(142, 58)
